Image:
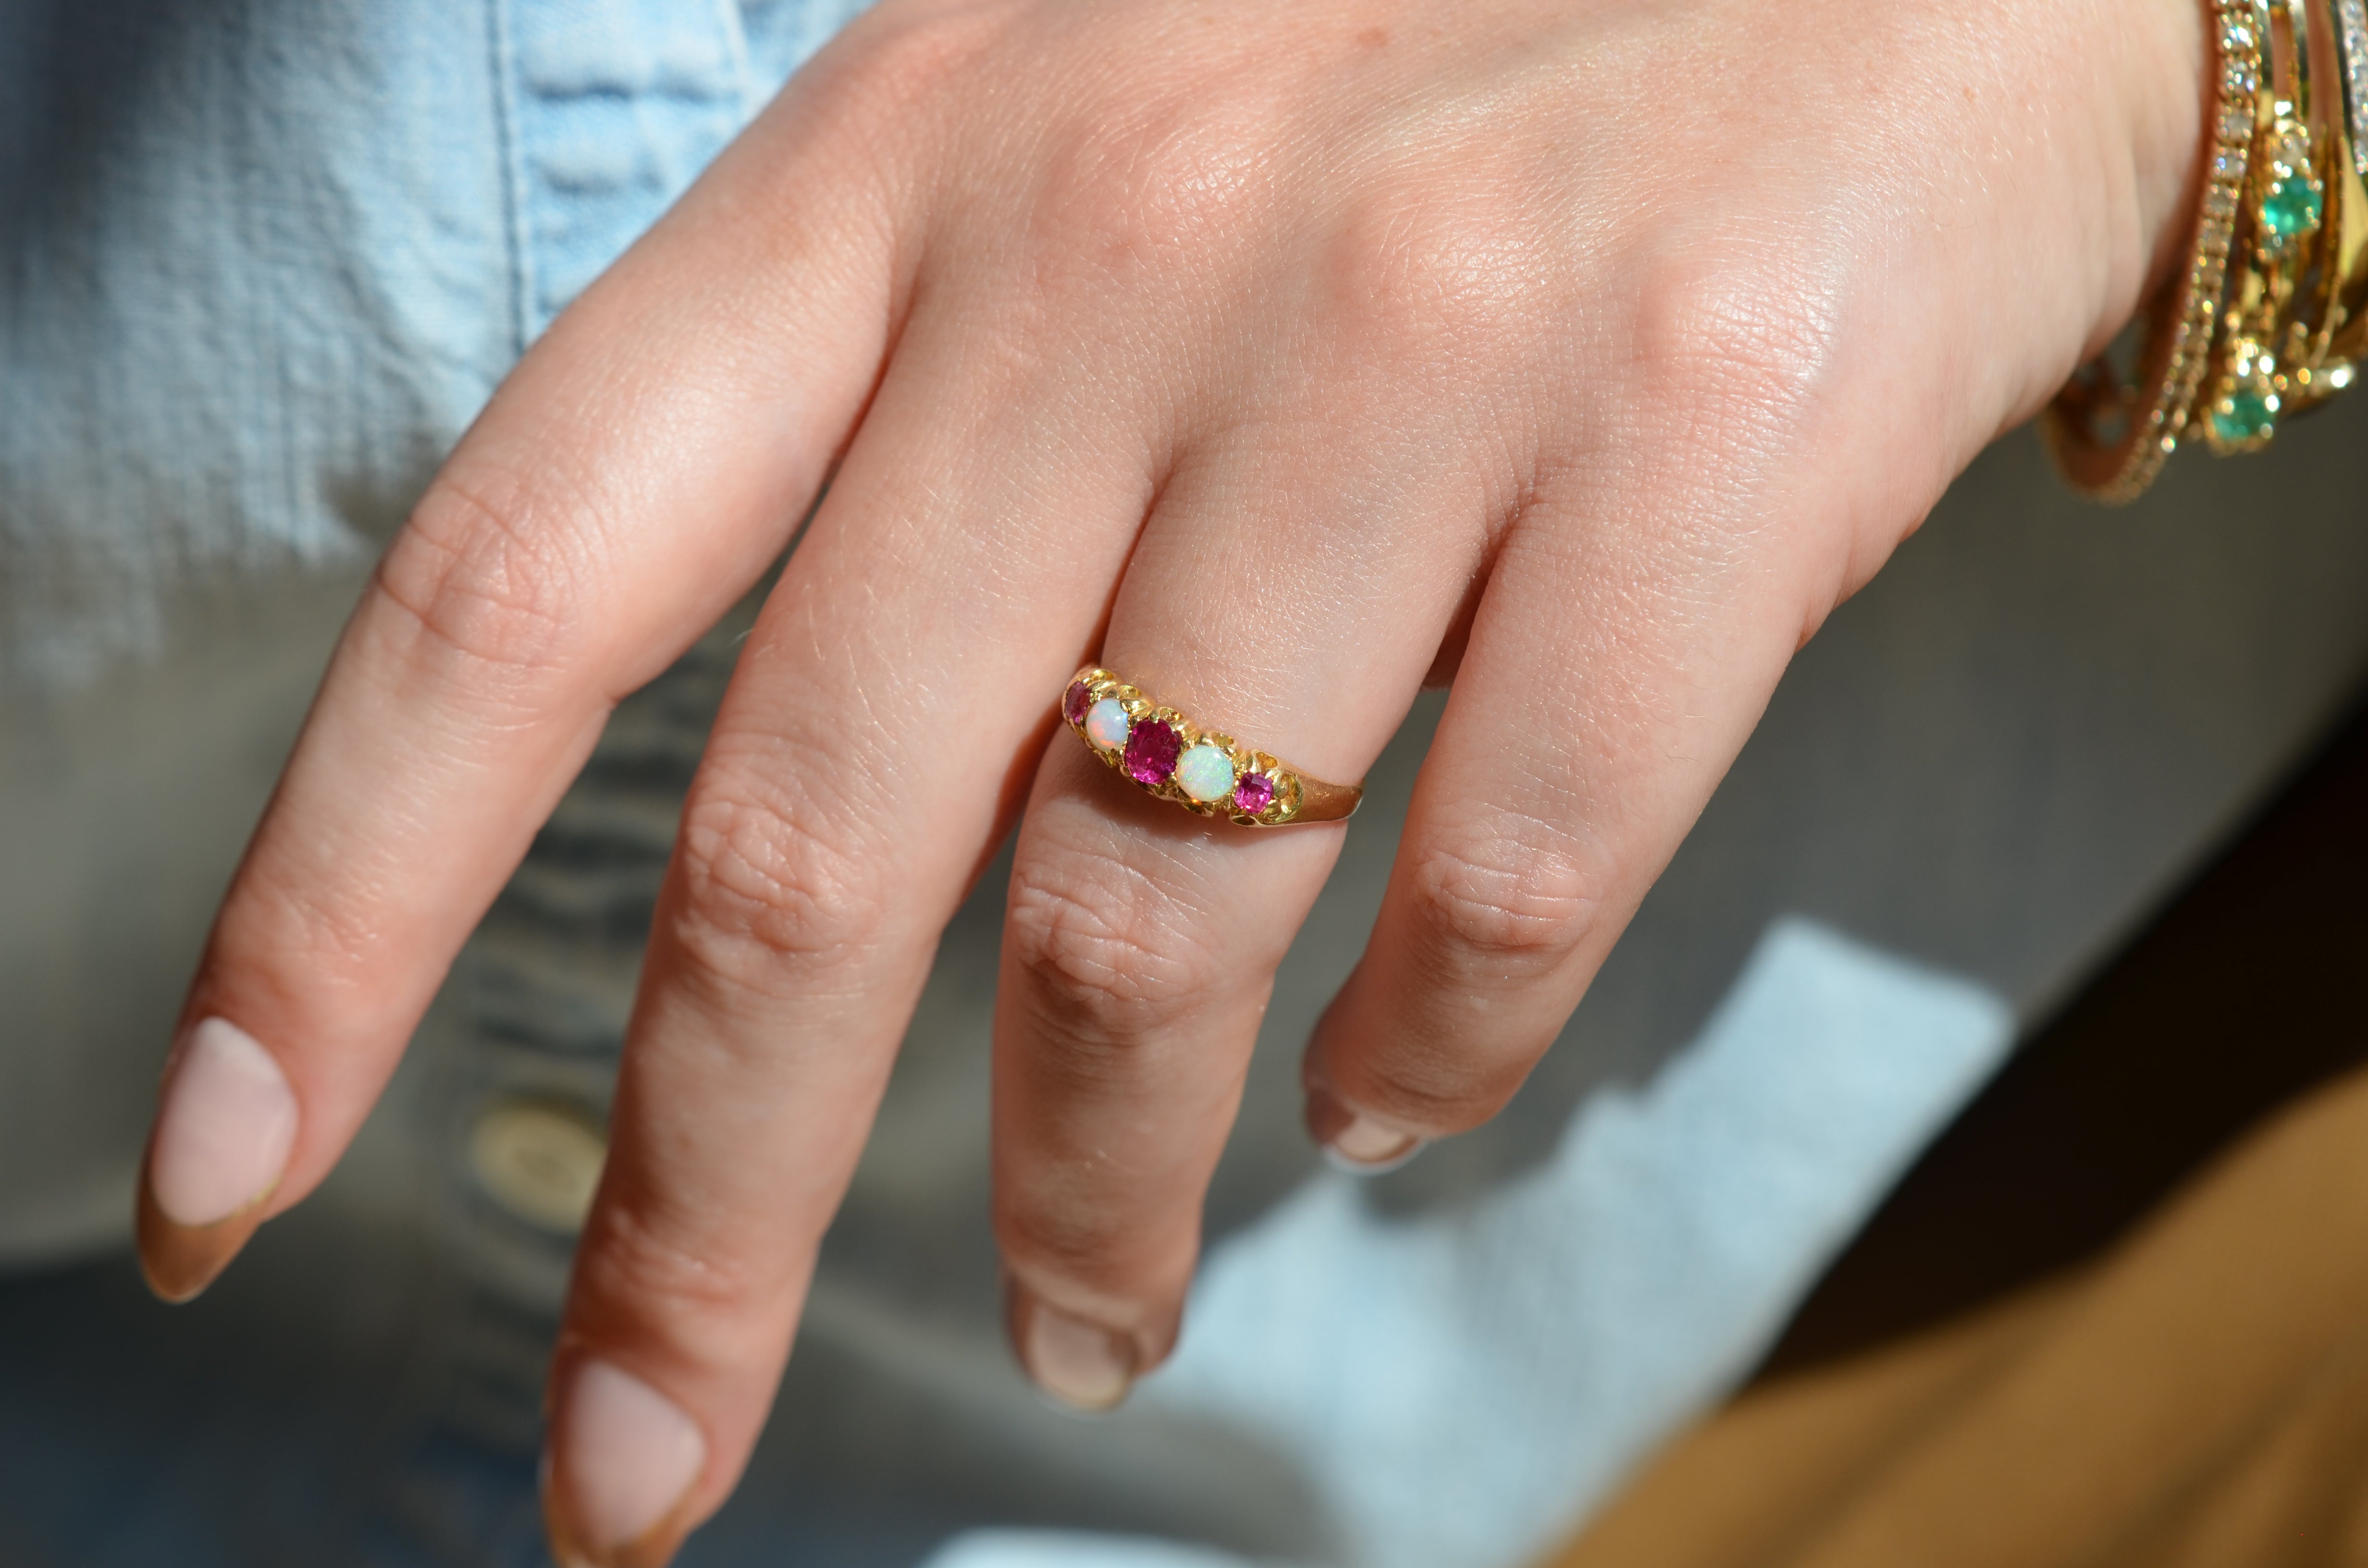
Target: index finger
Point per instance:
(645, 463)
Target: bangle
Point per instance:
(2264, 359)
(2339, 114)
(2111, 435)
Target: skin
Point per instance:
(1281, 358)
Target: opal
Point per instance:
(1107, 724)
(1206, 772)
(1079, 697)
(1151, 751)
(1253, 793)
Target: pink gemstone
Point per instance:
(1079, 697)
(1151, 751)
(1253, 792)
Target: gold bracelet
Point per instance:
(2112, 435)
(2263, 357)
(2338, 104)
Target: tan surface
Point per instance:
(2199, 1397)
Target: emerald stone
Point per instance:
(2248, 417)
(2291, 206)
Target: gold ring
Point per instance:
(1167, 754)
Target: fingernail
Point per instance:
(1353, 1142)
(1083, 1365)
(624, 1461)
(221, 1146)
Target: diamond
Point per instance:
(1253, 792)
(1151, 752)
(1107, 724)
(1075, 701)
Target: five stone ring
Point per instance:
(1168, 755)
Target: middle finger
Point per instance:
(856, 778)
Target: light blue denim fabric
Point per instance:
(261, 261)
(1461, 1387)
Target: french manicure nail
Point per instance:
(221, 1146)
(625, 1459)
(1083, 1365)
(1353, 1142)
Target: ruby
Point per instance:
(1080, 697)
(1151, 752)
(1253, 792)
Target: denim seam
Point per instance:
(502, 40)
(735, 42)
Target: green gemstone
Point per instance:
(2291, 206)
(2248, 417)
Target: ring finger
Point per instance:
(1290, 592)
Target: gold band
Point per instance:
(2262, 363)
(1163, 753)
(2335, 319)
(2111, 435)
(2270, 315)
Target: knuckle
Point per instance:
(287, 920)
(1420, 266)
(1110, 955)
(773, 878)
(1163, 190)
(890, 80)
(893, 62)
(485, 576)
(1740, 332)
(1489, 903)
(666, 1268)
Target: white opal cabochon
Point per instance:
(1205, 772)
(1106, 724)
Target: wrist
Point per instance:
(2106, 214)
(2162, 61)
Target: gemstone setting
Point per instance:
(1107, 724)
(2291, 207)
(1205, 772)
(1167, 755)
(1151, 752)
(2246, 416)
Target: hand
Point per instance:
(1276, 356)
